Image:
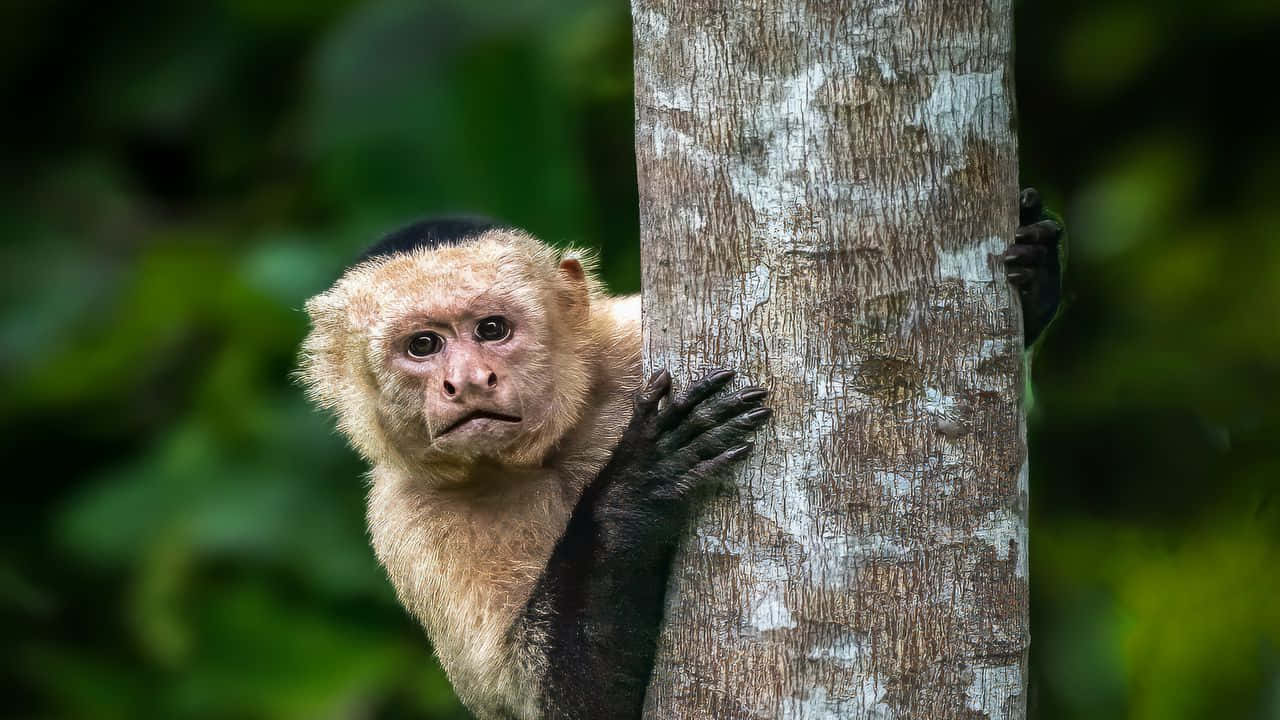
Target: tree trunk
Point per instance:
(826, 189)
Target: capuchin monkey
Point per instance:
(528, 485)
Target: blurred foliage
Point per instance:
(184, 536)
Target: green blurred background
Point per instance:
(183, 536)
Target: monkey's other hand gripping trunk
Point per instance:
(598, 604)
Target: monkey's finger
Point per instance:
(1021, 278)
(724, 459)
(694, 394)
(1044, 232)
(716, 412)
(718, 439)
(647, 397)
(1021, 263)
(1030, 206)
(1026, 255)
(704, 471)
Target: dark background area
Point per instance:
(183, 536)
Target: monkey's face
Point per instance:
(454, 355)
(465, 377)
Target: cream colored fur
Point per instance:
(465, 537)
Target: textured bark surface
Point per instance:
(826, 190)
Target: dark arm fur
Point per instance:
(599, 601)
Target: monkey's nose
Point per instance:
(482, 380)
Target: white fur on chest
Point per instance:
(466, 569)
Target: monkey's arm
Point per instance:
(1033, 264)
(598, 605)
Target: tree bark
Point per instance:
(826, 189)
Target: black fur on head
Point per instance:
(431, 233)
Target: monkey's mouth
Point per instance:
(478, 415)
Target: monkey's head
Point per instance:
(453, 354)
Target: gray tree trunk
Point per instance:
(825, 192)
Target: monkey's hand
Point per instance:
(670, 450)
(598, 605)
(1033, 265)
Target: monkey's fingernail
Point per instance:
(735, 453)
(759, 414)
(721, 376)
(753, 394)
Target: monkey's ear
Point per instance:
(577, 297)
(572, 268)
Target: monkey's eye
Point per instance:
(492, 329)
(424, 344)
